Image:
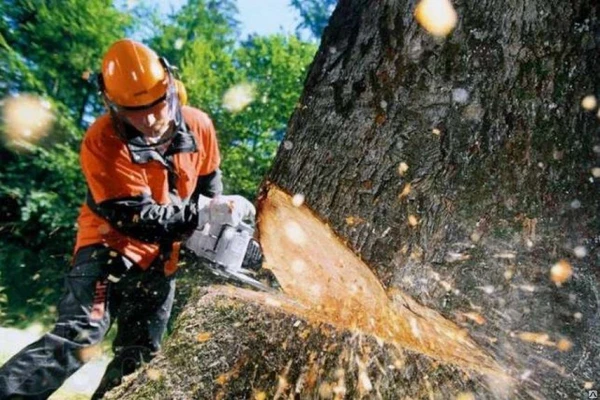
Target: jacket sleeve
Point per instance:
(118, 192)
(210, 185)
(207, 136)
(142, 218)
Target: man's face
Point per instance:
(153, 122)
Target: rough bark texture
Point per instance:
(506, 183)
(498, 189)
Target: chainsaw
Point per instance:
(231, 252)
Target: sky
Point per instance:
(258, 16)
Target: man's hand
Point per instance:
(224, 210)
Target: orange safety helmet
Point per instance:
(134, 77)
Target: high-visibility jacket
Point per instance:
(141, 202)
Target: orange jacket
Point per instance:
(139, 201)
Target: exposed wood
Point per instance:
(317, 270)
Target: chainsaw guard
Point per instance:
(242, 277)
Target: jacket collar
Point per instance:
(183, 141)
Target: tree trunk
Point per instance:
(460, 171)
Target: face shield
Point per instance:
(156, 121)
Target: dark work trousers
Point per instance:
(141, 304)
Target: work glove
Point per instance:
(224, 210)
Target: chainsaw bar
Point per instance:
(232, 254)
(240, 276)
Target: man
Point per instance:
(152, 170)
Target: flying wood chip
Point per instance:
(203, 337)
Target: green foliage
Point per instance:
(275, 66)
(46, 46)
(45, 189)
(208, 21)
(59, 40)
(315, 14)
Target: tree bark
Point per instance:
(459, 170)
(504, 189)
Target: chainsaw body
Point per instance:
(224, 249)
